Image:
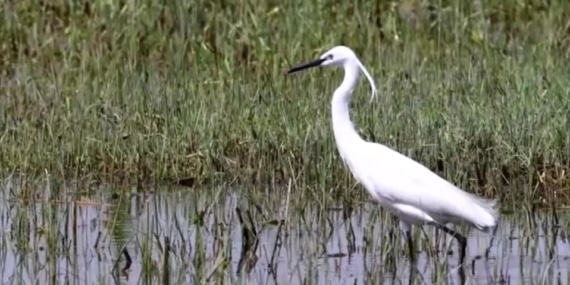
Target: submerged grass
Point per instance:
(150, 90)
(223, 237)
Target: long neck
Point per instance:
(343, 128)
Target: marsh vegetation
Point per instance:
(81, 234)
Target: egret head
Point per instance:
(337, 56)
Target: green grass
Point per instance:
(158, 90)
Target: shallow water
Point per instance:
(80, 243)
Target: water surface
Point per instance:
(86, 240)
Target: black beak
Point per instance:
(309, 64)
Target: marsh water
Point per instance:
(179, 236)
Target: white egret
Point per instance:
(401, 185)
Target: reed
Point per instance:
(152, 90)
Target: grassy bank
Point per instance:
(152, 90)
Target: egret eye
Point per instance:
(330, 57)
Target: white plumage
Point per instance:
(413, 192)
(401, 185)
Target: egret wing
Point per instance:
(399, 180)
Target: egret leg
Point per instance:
(491, 243)
(460, 238)
(407, 229)
(410, 245)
